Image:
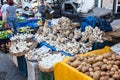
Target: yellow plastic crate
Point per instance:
(63, 71)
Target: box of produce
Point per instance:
(3, 35)
(100, 64)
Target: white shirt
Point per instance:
(3, 10)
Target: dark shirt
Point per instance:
(42, 10)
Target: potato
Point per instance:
(96, 75)
(75, 64)
(91, 74)
(91, 69)
(87, 73)
(97, 64)
(113, 69)
(117, 57)
(78, 58)
(81, 58)
(103, 73)
(79, 68)
(72, 59)
(117, 62)
(105, 61)
(113, 57)
(116, 72)
(83, 63)
(109, 67)
(96, 68)
(104, 67)
(106, 55)
(116, 67)
(105, 78)
(85, 69)
(111, 62)
(109, 58)
(91, 60)
(116, 76)
(111, 79)
(99, 58)
(107, 74)
(111, 73)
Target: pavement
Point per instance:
(8, 70)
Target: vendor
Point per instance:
(48, 11)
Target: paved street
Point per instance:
(8, 71)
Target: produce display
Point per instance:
(45, 56)
(35, 54)
(65, 35)
(21, 37)
(99, 67)
(25, 29)
(20, 46)
(3, 35)
(21, 19)
(50, 59)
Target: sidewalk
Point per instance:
(8, 71)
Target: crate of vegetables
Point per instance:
(100, 64)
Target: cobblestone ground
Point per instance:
(8, 70)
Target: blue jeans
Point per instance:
(12, 21)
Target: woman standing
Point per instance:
(11, 15)
(3, 10)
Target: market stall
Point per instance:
(41, 54)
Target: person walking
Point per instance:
(11, 15)
(3, 10)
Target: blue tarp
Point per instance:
(47, 45)
(94, 21)
(53, 48)
(32, 23)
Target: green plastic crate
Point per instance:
(46, 76)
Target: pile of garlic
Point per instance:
(48, 61)
(39, 38)
(64, 36)
(32, 55)
(35, 54)
(21, 36)
(20, 46)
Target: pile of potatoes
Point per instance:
(98, 67)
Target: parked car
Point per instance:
(69, 9)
